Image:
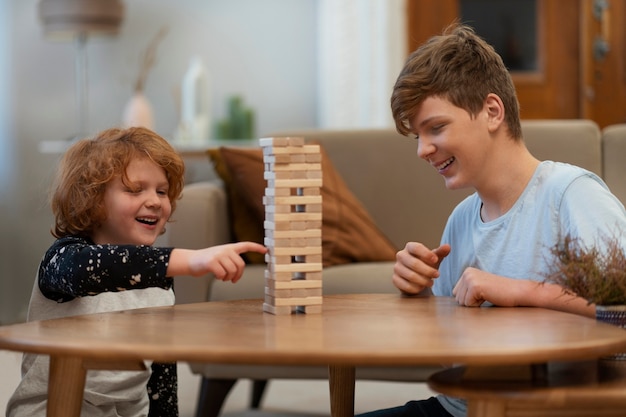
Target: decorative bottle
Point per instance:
(195, 106)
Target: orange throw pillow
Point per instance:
(349, 234)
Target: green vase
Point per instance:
(615, 315)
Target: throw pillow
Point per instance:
(349, 234)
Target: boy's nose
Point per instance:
(425, 148)
(153, 200)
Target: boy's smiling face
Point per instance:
(137, 211)
(455, 144)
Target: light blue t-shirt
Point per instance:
(560, 199)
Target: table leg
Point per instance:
(485, 408)
(341, 381)
(66, 385)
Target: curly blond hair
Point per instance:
(77, 196)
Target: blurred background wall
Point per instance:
(266, 51)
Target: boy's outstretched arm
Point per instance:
(223, 261)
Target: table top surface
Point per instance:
(359, 330)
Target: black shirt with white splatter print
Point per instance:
(76, 267)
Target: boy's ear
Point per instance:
(495, 111)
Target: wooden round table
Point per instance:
(351, 330)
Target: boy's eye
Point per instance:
(162, 192)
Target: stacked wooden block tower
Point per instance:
(293, 226)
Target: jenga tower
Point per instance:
(293, 226)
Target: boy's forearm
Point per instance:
(179, 263)
(547, 295)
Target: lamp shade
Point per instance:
(68, 18)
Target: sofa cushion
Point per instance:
(348, 232)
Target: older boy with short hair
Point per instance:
(457, 97)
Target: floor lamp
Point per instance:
(78, 20)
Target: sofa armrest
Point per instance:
(201, 220)
(614, 155)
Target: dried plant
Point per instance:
(149, 58)
(597, 275)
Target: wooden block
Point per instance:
(283, 150)
(290, 149)
(277, 310)
(289, 260)
(292, 301)
(280, 225)
(289, 242)
(278, 260)
(269, 242)
(281, 159)
(313, 241)
(313, 224)
(286, 175)
(296, 250)
(298, 293)
(313, 157)
(292, 200)
(270, 208)
(298, 183)
(295, 217)
(281, 141)
(293, 284)
(293, 224)
(282, 234)
(273, 192)
(314, 174)
(293, 276)
(311, 149)
(293, 167)
(293, 208)
(298, 301)
(278, 276)
(292, 242)
(295, 267)
(297, 158)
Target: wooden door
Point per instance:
(603, 58)
(567, 81)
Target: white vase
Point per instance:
(195, 106)
(138, 112)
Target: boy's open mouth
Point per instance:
(146, 220)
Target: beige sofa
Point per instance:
(405, 197)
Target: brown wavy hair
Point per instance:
(77, 196)
(458, 66)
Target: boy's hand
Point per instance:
(417, 266)
(223, 261)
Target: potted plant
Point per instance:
(595, 273)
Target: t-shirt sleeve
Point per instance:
(590, 212)
(73, 268)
